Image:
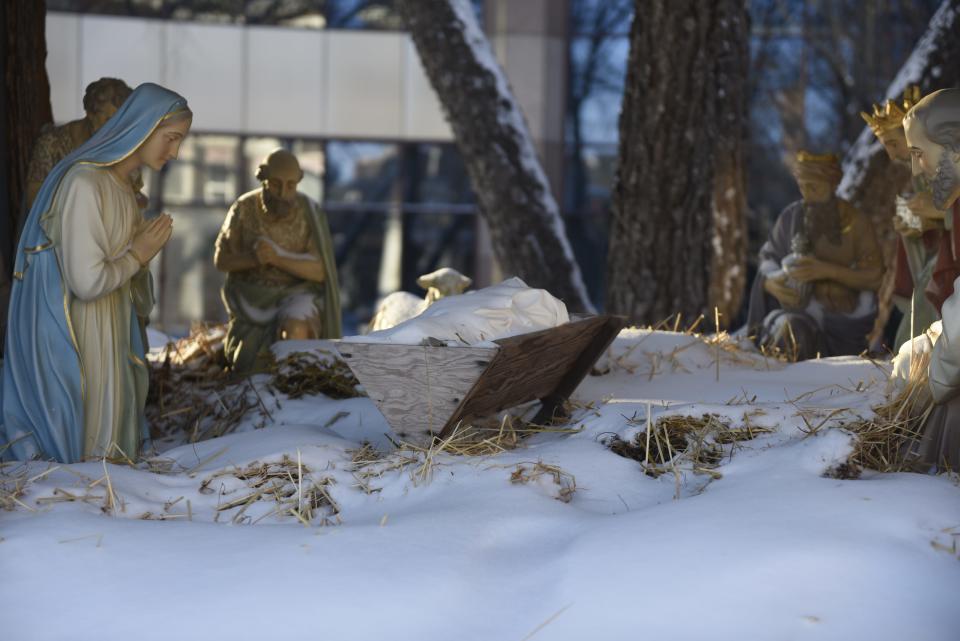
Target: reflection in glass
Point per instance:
(360, 172)
(601, 17)
(597, 73)
(311, 156)
(205, 172)
(298, 13)
(362, 14)
(587, 203)
(179, 176)
(186, 282)
(309, 14)
(439, 176)
(598, 50)
(217, 169)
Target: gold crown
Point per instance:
(826, 159)
(819, 167)
(890, 116)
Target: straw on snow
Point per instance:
(479, 439)
(193, 395)
(884, 442)
(674, 440)
(289, 483)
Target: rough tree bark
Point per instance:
(678, 229)
(868, 174)
(527, 231)
(25, 98)
(24, 109)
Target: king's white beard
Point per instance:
(945, 181)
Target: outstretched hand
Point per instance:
(151, 238)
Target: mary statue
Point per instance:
(74, 379)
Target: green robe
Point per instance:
(248, 340)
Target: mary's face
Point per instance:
(164, 143)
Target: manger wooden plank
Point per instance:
(581, 367)
(533, 366)
(416, 388)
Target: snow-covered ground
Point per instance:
(771, 549)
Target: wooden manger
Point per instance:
(425, 391)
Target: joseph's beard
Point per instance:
(276, 206)
(945, 181)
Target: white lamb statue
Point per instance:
(401, 306)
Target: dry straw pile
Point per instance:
(15, 480)
(885, 442)
(677, 442)
(307, 374)
(194, 396)
(295, 489)
(191, 393)
(478, 440)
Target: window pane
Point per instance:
(310, 14)
(209, 11)
(180, 176)
(362, 14)
(597, 73)
(310, 155)
(440, 176)
(299, 13)
(604, 17)
(360, 172)
(187, 284)
(294, 13)
(217, 169)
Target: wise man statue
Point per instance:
(281, 283)
(932, 130)
(918, 239)
(815, 291)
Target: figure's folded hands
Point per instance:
(151, 238)
(266, 252)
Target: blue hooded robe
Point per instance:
(42, 381)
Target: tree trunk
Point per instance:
(25, 99)
(868, 173)
(525, 226)
(678, 229)
(24, 109)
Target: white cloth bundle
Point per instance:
(477, 317)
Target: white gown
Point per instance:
(92, 222)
